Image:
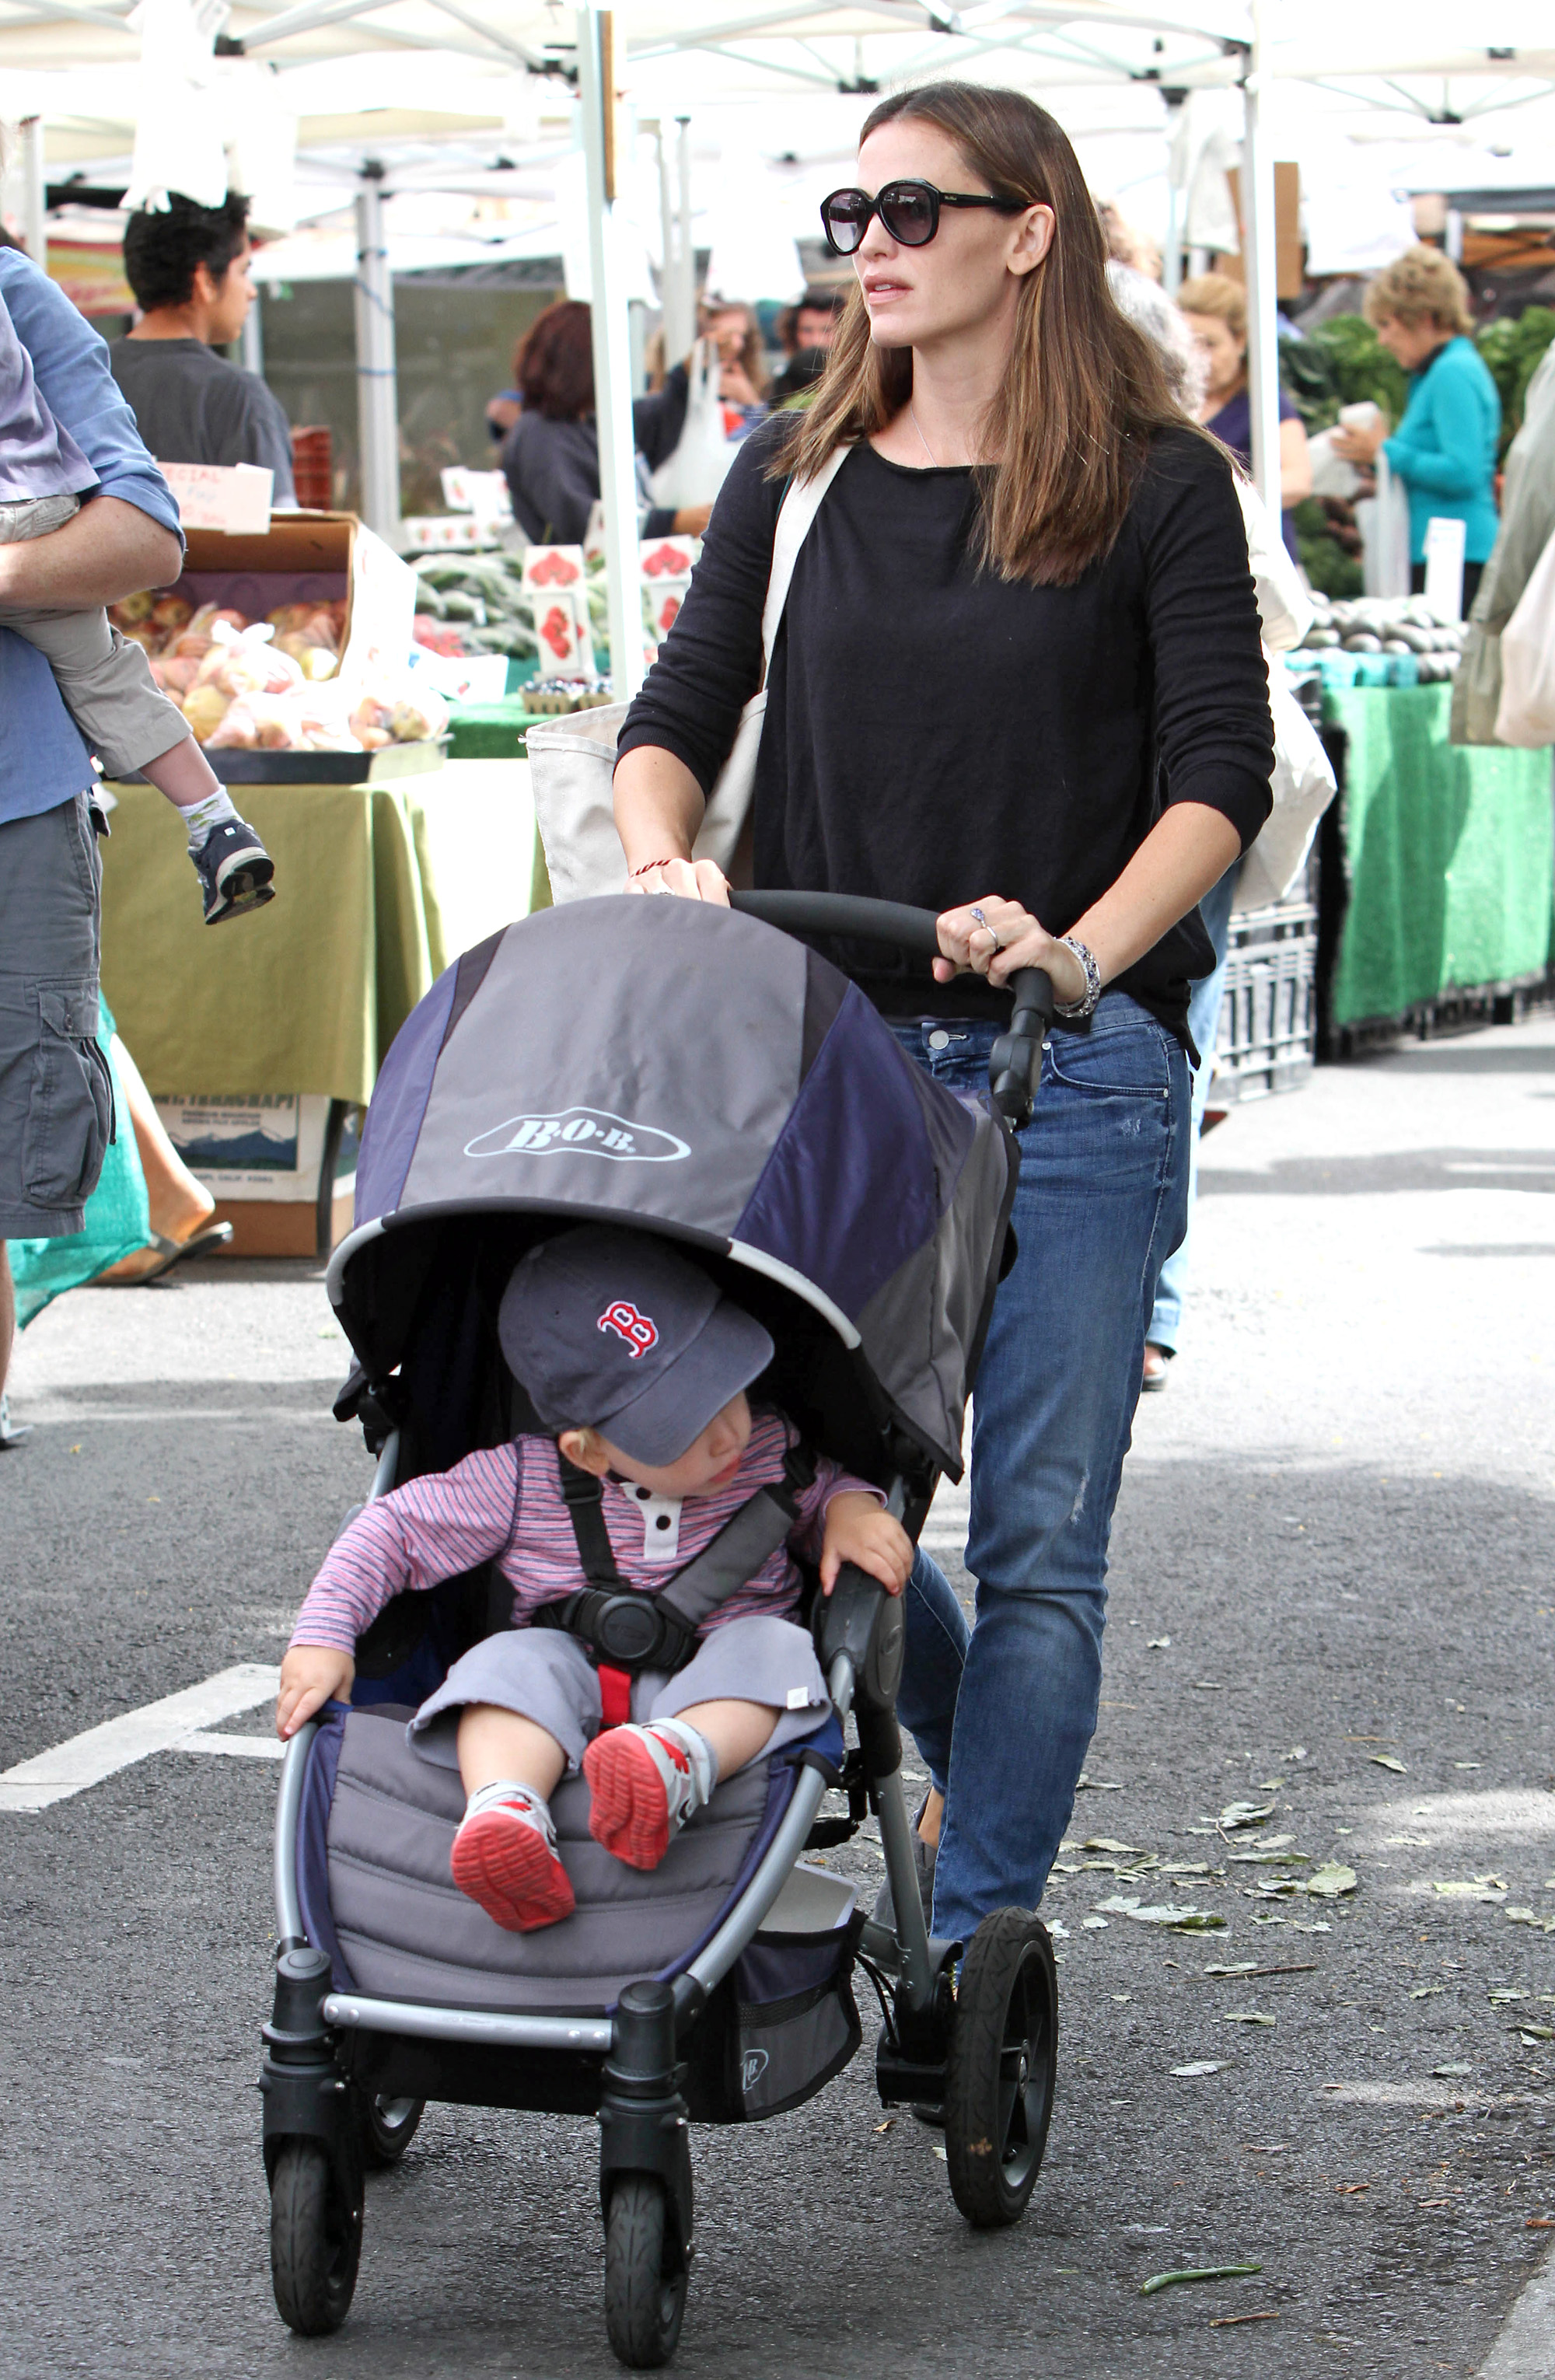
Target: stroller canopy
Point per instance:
(671, 1065)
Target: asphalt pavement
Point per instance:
(1332, 1602)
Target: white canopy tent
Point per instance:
(408, 84)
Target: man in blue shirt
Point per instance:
(55, 1097)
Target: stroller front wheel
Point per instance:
(999, 2074)
(645, 2273)
(315, 2240)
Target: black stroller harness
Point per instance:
(623, 1630)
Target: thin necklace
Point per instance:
(921, 439)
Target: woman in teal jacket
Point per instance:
(1444, 449)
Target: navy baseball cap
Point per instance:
(611, 1330)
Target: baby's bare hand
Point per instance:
(857, 1531)
(311, 1675)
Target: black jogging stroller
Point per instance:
(673, 1066)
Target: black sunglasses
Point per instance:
(910, 211)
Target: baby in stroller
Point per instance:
(639, 1368)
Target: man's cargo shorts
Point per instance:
(57, 1096)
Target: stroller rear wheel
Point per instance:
(645, 2273)
(387, 2126)
(999, 2077)
(315, 2240)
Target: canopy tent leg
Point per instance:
(1258, 261)
(613, 350)
(251, 344)
(679, 279)
(33, 209)
(1176, 195)
(377, 389)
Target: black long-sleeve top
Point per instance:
(934, 734)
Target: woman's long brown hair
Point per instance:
(1085, 390)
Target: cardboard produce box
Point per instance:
(281, 1168)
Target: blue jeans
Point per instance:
(1002, 1713)
(1204, 1017)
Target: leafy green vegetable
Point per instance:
(1512, 350)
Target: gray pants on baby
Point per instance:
(545, 1675)
(105, 681)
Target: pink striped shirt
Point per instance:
(504, 1502)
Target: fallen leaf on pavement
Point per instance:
(1187, 1919)
(1108, 1843)
(1479, 1888)
(1094, 1924)
(1540, 2223)
(887, 2125)
(1386, 1760)
(1350, 2189)
(1157, 1643)
(1197, 2273)
(1095, 1785)
(1447, 2073)
(1241, 1967)
(1427, 1991)
(1244, 2016)
(1245, 1813)
(1230, 2321)
(1530, 2033)
(1502, 1994)
(1268, 1858)
(1331, 1880)
(1198, 2065)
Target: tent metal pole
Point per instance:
(613, 350)
(377, 388)
(1176, 196)
(250, 346)
(685, 250)
(34, 205)
(1258, 261)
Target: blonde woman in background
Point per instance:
(1444, 449)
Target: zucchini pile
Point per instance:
(1378, 625)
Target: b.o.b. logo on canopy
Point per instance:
(580, 1132)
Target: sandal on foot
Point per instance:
(169, 1253)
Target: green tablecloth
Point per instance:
(377, 888)
(1450, 854)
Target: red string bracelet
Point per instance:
(647, 866)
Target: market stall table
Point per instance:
(1449, 858)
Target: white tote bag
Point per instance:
(699, 463)
(1527, 714)
(572, 759)
(1302, 782)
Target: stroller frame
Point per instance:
(345, 2073)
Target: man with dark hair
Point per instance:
(189, 267)
(806, 330)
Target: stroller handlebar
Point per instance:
(1015, 1062)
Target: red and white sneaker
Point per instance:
(504, 1857)
(645, 1783)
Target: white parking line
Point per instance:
(175, 1724)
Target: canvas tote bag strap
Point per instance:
(794, 520)
(572, 759)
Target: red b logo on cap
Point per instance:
(638, 1330)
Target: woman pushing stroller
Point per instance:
(638, 1367)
